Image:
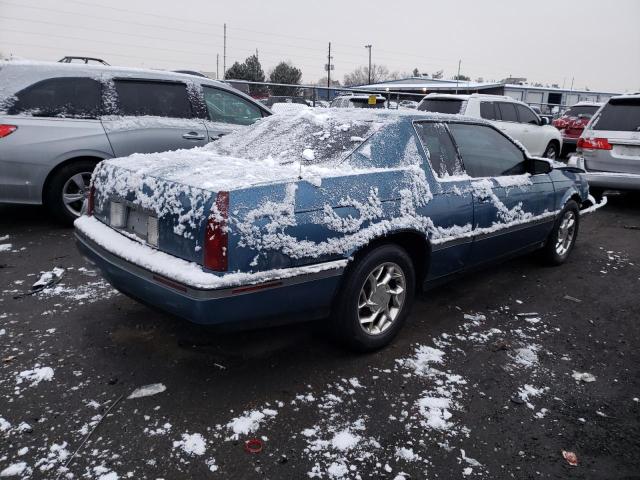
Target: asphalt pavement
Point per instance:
(494, 376)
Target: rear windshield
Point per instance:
(441, 105)
(622, 115)
(585, 111)
(306, 136)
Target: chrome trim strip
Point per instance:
(198, 293)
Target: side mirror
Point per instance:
(544, 121)
(540, 166)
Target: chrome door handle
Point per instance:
(193, 136)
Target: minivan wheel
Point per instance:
(375, 299)
(551, 151)
(67, 190)
(563, 237)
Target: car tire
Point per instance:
(551, 152)
(67, 189)
(563, 237)
(364, 292)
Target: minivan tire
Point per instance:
(346, 322)
(62, 179)
(556, 251)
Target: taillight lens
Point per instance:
(91, 200)
(594, 144)
(7, 130)
(216, 238)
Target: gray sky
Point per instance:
(595, 41)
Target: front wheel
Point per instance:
(563, 237)
(375, 299)
(551, 152)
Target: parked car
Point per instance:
(359, 101)
(345, 213)
(572, 122)
(58, 120)
(514, 118)
(609, 147)
(408, 104)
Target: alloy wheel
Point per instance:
(74, 192)
(381, 298)
(566, 231)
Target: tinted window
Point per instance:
(508, 112)
(487, 111)
(59, 97)
(487, 153)
(158, 99)
(441, 105)
(226, 107)
(526, 115)
(440, 149)
(622, 115)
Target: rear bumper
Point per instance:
(297, 295)
(613, 180)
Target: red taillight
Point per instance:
(91, 200)
(594, 144)
(215, 237)
(7, 130)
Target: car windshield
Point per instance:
(620, 114)
(305, 136)
(441, 105)
(585, 111)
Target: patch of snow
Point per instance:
(147, 391)
(35, 376)
(192, 444)
(249, 422)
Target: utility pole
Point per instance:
(217, 66)
(224, 54)
(369, 47)
(458, 76)
(329, 69)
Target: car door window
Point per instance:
(507, 111)
(154, 98)
(226, 107)
(487, 153)
(440, 149)
(488, 111)
(74, 97)
(526, 115)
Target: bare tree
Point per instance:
(360, 76)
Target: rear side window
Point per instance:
(158, 99)
(74, 97)
(440, 149)
(441, 105)
(526, 115)
(487, 153)
(487, 111)
(226, 107)
(622, 115)
(507, 111)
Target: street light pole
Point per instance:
(369, 47)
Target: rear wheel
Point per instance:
(551, 152)
(375, 298)
(67, 190)
(563, 237)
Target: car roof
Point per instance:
(587, 104)
(18, 74)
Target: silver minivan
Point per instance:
(58, 120)
(609, 147)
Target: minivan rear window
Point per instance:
(441, 105)
(620, 114)
(67, 97)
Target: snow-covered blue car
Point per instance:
(339, 214)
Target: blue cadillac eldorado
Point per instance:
(339, 214)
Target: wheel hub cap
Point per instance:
(566, 231)
(75, 191)
(381, 298)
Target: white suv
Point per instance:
(514, 118)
